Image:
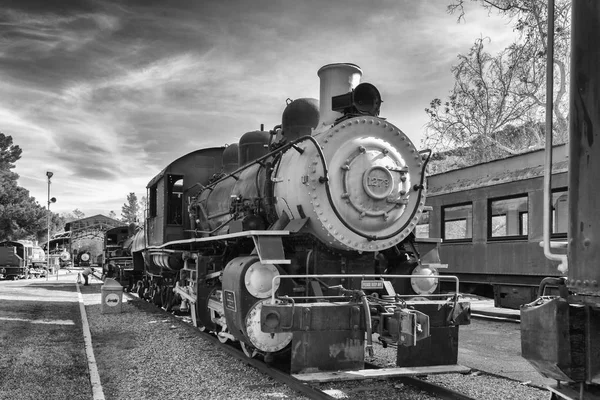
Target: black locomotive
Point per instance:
(299, 240)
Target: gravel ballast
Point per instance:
(145, 353)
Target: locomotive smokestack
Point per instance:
(336, 79)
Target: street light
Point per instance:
(50, 200)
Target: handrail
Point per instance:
(562, 258)
(381, 276)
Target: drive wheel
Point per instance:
(139, 289)
(167, 298)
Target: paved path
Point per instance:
(495, 346)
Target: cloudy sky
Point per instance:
(106, 93)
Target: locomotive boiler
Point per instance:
(299, 240)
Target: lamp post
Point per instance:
(50, 200)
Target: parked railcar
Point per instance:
(560, 335)
(300, 239)
(490, 219)
(20, 259)
(117, 258)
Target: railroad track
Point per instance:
(314, 390)
(494, 317)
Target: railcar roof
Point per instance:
(165, 169)
(515, 168)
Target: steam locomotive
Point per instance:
(83, 259)
(299, 241)
(21, 259)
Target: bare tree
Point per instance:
(78, 214)
(497, 104)
(141, 213)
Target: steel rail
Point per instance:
(429, 387)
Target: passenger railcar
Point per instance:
(560, 335)
(490, 219)
(299, 240)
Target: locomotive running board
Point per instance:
(361, 374)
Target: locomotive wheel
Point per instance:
(156, 297)
(249, 350)
(194, 316)
(166, 298)
(170, 300)
(223, 339)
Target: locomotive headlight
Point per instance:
(424, 286)
(365, 99)
(258, 279)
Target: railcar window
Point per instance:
(508, 217)
(175, 196)
(153, 208)
(524, 222)
(422, 228)
(560, 206)
(457, 222)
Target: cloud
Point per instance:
(107, 93)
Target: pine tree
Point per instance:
(21, 216)
(130, 209)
